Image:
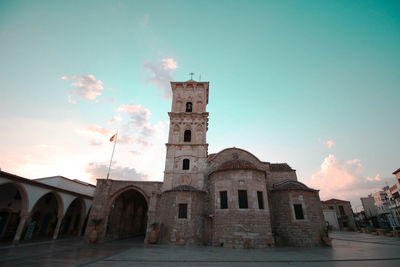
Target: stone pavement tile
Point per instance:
(250, 264)
(349, 249)
(57, 254)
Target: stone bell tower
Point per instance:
(186, 160)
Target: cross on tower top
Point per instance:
(191, 75)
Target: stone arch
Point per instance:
(185, 129)
(189, 106)
(126, 213)
(45, 216)
(74, 218)
(187, 135)
(13, 206)
(124, 189)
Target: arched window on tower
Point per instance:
(186, 164)
(187, 137)
(189, 106)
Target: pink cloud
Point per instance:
(344, 179)
(99, 135)
(169, 63)
(139, 115)
(161, 74)
(330, 143)
(99, 170)
(95, 129)
(115, 119)
(84, 86)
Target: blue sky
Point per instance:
(311, 83)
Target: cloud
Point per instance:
(84, 86)
(344, 179)
(169, 63)
(139, 115)
(94, 142)
(161, 74)
(376, 178)
(99, 170)
(99, 135)
(330, 143)
(133, 152)
(115, 119)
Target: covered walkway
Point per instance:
(42, 209)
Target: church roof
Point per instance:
(280, 167)
(334, 200)
(236, 164)
(291, 185)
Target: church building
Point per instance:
(228, 199)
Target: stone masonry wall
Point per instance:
(179, 231)
(291, 232)
(235, 227)
(279, 176)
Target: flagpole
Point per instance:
(112, 154)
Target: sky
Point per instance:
(315, 84)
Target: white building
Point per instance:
(42, 209)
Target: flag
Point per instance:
(113, 137)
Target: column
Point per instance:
(81, 223)
(57, 230)
(20, 228)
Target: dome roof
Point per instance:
(236, 164)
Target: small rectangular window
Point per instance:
(243, 204)
(260, 200)
(182, 211)
(223, 196)
(298, 211)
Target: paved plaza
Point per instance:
(348, 249)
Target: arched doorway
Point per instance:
(43, 218)
(12, 202)
(127, 216)
(72, 221)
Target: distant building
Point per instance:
(381, 201)
(382, 208)
(331, 219)
(370, 209)
(344, 213)
(394, 198)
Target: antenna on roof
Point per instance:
(200, 77)
(191, 75)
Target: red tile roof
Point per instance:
(333, 200)
(396, 171)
